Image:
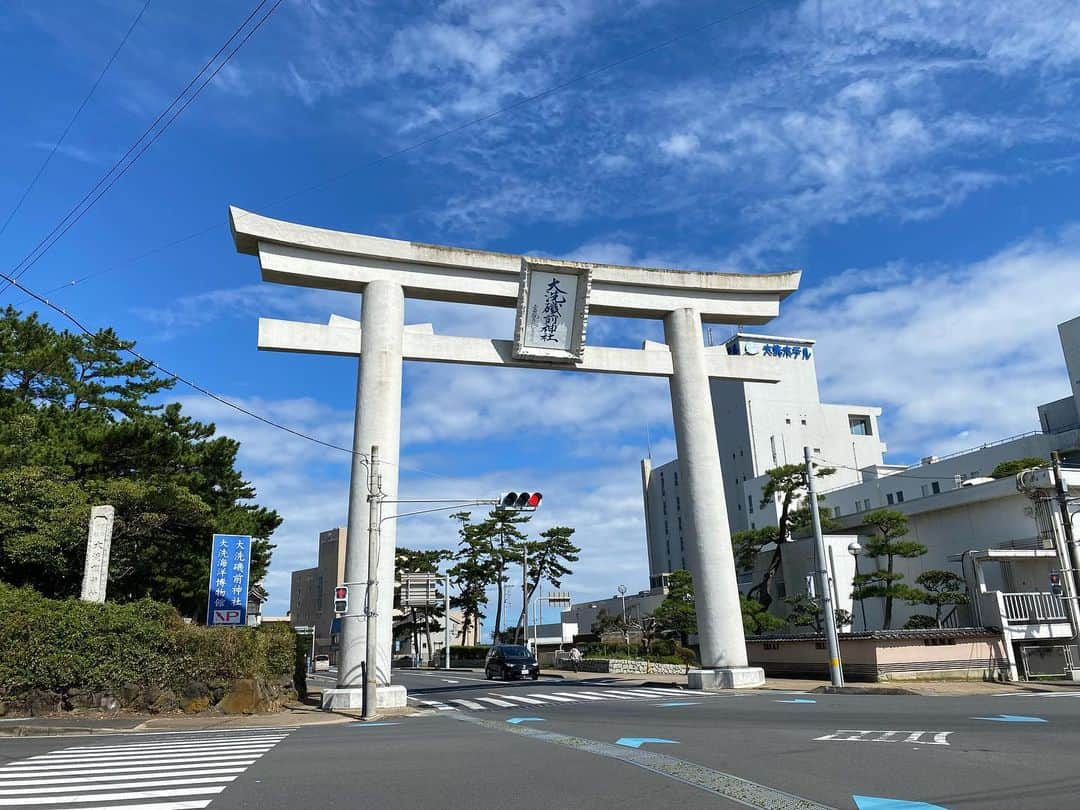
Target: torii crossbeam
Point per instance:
(386, 271)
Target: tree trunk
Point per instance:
(427, 628)
(764, 587)
(887, 623)
(498, 609)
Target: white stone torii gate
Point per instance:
(386, 271)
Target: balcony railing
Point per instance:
(1033, 608)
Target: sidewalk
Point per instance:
(950, 688)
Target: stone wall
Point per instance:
(624, 667)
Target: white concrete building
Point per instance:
(887, 485)
(760, 426)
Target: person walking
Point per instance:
(575, 658)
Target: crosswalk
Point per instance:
(177, 771)
(513, 699)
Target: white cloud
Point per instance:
(956, 355)
(680, 145)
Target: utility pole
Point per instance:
(1071, 557)
(836, 672)
(375, 496)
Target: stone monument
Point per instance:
(98, 546)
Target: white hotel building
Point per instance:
(1002, 542)
(760, 426)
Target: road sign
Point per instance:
(557, 598)
(230, 568)
(419, 590)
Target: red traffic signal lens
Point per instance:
(534, 500)
(341, 592)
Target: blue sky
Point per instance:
(917, 160)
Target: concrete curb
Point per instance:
(56, 731)
(863, 690)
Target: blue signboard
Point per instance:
(230, 566)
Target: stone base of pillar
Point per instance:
(713, 680)
(386, 697)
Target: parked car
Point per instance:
(322, 662)
(510, 661)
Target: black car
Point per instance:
(511, 661)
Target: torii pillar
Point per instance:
(386, 271)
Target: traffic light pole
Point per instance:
(836, 672)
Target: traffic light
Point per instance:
(521, 501)
(1055, 583)
(341, 599)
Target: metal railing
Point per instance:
(1033, 607)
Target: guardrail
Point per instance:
(1033, 608)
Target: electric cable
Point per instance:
(120, 168)
(446, 133)
(78, 111)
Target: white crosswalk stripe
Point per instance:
(506, 699)
(179, 774)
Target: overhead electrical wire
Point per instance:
(78, 111)
(446, 133)
(149, 137)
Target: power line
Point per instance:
(150, 136)
(175, 376)
(71, 123)
(446, 133)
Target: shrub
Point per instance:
(469, 653)
(920, 622)
(57, 645)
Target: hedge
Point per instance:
(57, 645)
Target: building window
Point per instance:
(787, 421)
(676, 478)
(836, 511)
(664, 504)
(665, 527)
(935, 487)
(900, 497)
(772, 447)
(860, 425)
(680, 523)
(866, 504)
(889, 498)
(750, 504)
(678, 504)
(803, 420)
(925, 490)
(858, 506)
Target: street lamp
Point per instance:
(854, 549)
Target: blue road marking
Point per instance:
(796, 700)
(370, 725)
(676, 703)
(876, 803)
(1012, 718)
(637, 742)
(517, 720)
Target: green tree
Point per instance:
(756, 619)
(805, 610)
(677, 613)
(787, 484)
(472, 573)
(548, 558)
(939, 590)
(78, 427)
(888, 528)
(501, 528)
(1007, 468)
(410, 561)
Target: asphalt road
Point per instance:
(599, 746)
